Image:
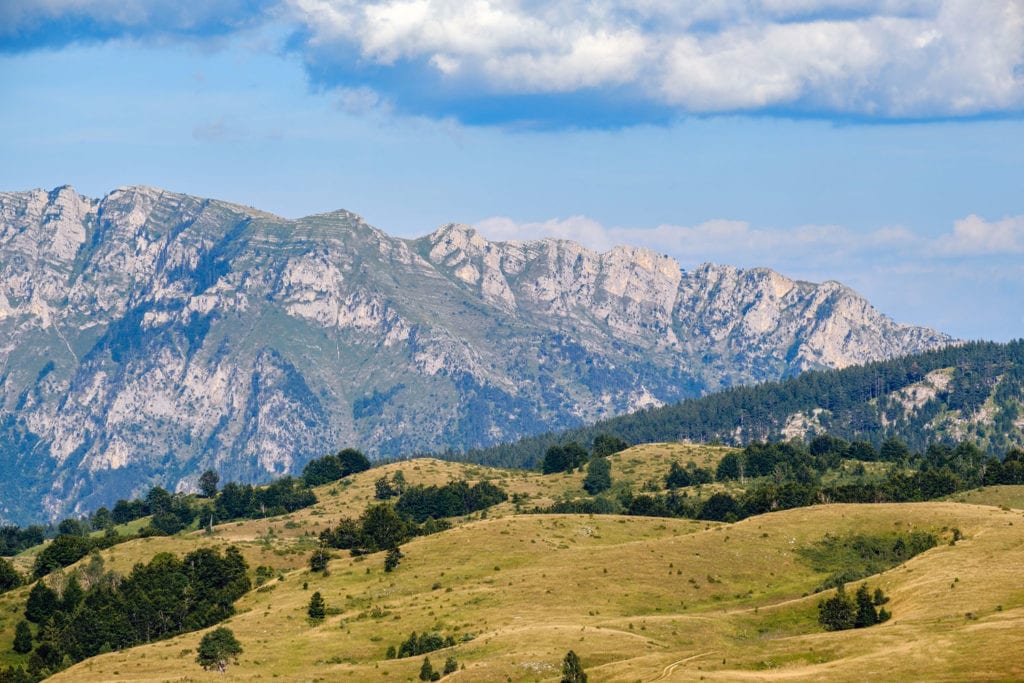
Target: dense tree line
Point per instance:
(14, 539)
(420, 503)
(857, 404)
(157, 600)
(784, 475)
(330, 468)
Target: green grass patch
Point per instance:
(854, 556)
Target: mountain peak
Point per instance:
(176, 333)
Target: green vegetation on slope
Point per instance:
(870, 403)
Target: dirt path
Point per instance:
(668, 670)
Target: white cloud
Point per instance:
(884, 58)
(881, 59)
(976, 236)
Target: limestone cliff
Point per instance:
(148, 335)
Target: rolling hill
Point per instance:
(637, 598)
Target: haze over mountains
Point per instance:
(148, 335)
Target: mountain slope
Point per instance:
(149, 335)
(972, 391)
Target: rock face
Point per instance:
(148, 335)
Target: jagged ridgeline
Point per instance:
(972, 392)
(148, 336)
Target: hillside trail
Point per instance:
(670, 669)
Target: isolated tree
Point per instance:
(599, 476)
(217, 648)
(208, 481)
(572, 669)
(22, 638)
(318, 560)
(392, 559)
(427, 672)
(317, 609)
(450, 666)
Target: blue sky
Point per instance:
(875, 142)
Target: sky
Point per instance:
(879, 143)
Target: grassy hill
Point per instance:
(637, 598)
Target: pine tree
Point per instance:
(572, 669)
(318, 560)
(42, 602)
(836, 613)
(599, 476)
(427, 670)
(392, 559)
(317, 607)
(866, 614)
(22, 638)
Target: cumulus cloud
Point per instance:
(976, 236)
(880, 59)
(609, 62)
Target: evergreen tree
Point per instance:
(599, 476)
(450, 666)
(9, 576)
(866, 614)
(42, 602)
(572, 669)
(427, 672)
(319, 559)
(217, 648)
(317, 609)
(392, 559)
(836, 613)
(72, 595)
(677, 477)
(22, 638)
(607, 444)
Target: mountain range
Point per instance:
(148, 335)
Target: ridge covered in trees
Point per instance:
(858, 403)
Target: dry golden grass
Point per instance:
(637, 598)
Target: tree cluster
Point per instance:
(841, 612)
(420, 503)
(380, 527)
(421, 644)
(334, 467)
(157, 600)
(245, 501)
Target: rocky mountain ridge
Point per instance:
(148, 335)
